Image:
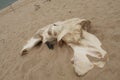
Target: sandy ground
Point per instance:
(21, 20)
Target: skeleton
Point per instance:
(74, 32)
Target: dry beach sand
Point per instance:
(22, 19)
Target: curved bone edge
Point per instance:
(81, 62)
(99, 64)
(92, 40)
(68, 26)
(30, 44)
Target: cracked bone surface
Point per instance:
(74, 33)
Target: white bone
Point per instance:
(88, 46)
(30, 44)
(82, 42)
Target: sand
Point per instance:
(21, 20)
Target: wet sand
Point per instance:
(5, 3)
(21, 20)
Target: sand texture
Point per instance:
(21, 20)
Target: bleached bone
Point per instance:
(91, 46)
(30, 44)
(74, 32)
(53, 31)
